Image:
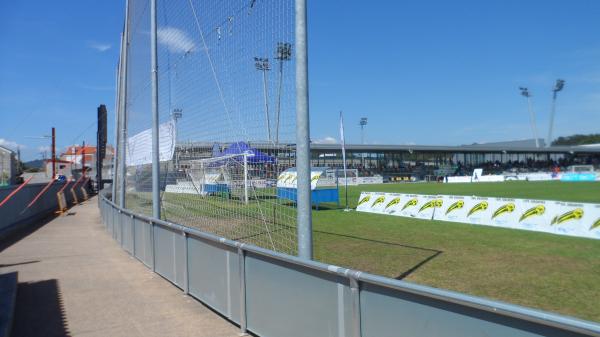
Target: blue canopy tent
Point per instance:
(239, 153)
(255, 156)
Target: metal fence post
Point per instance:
(355, 293)
(186, 271)
(155, 135)
(304, 216)
(117, 124)
(123, 115)
(242, 271)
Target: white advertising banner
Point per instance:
(418, 206)
(505, 212)
(563, 218)
(139, 146)
(406, 205)
(369, 180)
(452, 209)
(289, 179)
(366, 201)
(535, 215)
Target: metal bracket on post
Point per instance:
(242, 270)
(122, 221)
(153, 246)
(186, 270)
(355, 293)
(132, 252)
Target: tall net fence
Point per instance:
(226, 74)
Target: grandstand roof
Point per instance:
(482, 148)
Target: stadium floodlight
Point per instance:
(262, 64)
(362, 123)
(284, 53)
(558, 86)
(177, 114)
(526, 93)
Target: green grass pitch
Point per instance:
(546, 271)
(540, 270)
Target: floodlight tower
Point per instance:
(284, 53)
(262, 64)
(525, 92)
(176, 115)
(362, 123)
(558, 86)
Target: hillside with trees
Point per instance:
(577, 140)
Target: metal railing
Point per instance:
(274, 295)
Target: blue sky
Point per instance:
(424, 72)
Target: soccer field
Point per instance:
(540, 270)
(550, 272)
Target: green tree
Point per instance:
(577, 140)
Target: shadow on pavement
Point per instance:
(23, 232)
(39, 310)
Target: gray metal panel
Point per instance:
(392, 313)
(287, 296)
(119, 224)
(126, 223)
(143, 245)
(179, 262)
(233, 284)
(111, 220)
(213, 276)
(169, 256)
(284, 299)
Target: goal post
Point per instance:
(227, 174)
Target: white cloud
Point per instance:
(101, 47)
(43, 148)
(10, 144)
(326, 140)
(176, 40)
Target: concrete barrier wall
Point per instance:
(274, 295)
(15, 213)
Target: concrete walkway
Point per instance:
(74, 280)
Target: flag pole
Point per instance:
(343, 143)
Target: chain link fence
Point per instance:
(226, 79)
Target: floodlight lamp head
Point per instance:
(525, 92)
(560, 84)
(177, 113)
(261, 63)
(363, 121)
(284, 51)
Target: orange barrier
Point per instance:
(15, 191)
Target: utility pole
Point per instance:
(525, 92)
(83, 161)
(284, 53)
(53, 153)
(262, 64)
(560, 84)
(304, 214)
